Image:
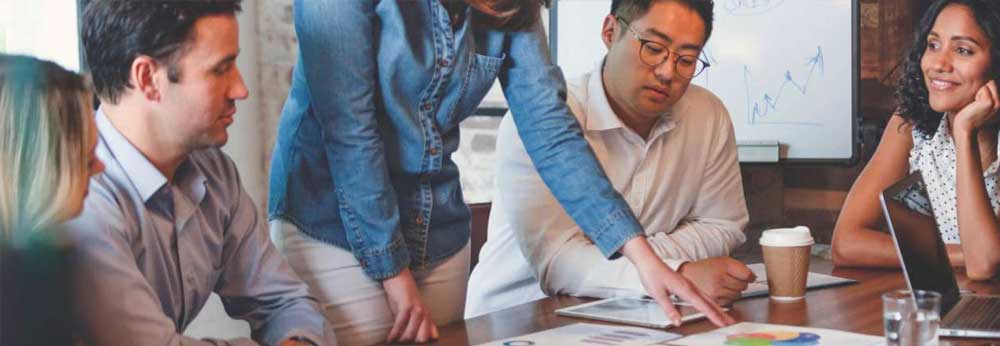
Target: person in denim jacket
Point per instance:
(363, 190)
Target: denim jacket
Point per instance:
(363, 154)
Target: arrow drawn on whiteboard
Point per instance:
(758, 111)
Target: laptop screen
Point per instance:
(918, 242)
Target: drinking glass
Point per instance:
(911, 318)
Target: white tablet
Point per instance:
(635, 311)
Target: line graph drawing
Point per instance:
(760, 109)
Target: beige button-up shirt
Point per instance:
(683, 183)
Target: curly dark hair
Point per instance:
(115, 32)
(911, 92)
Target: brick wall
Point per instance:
(814, 194)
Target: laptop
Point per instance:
(925, 261)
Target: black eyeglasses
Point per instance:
(654, 54)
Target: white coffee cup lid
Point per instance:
(795, 236)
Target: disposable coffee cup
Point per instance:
(786, 260)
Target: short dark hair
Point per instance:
(115, 32)
(629, 10)
(911, 92)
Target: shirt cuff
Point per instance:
(305, 335)
(631, 281)
(384, 263)
(674, 264)
(617, 229)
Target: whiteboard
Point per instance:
(785, 69)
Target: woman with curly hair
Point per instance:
(945, 128)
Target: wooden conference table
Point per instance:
(855, 308)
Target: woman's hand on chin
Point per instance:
(980, 112)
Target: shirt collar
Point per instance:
(600, 116)
(146, 179)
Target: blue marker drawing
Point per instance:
(758, 110)
(750, 7)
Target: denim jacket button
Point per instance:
(443, 62)
(427, 107)
(434, 151)
(420, 220)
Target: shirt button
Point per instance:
(427, 107)
(443, 62)
(420, 220)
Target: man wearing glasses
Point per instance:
(668, 148)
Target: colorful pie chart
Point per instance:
(773, 338)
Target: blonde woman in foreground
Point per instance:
(47, 141)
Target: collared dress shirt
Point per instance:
(683, 183)
(149, 252)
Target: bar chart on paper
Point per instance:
(588, 334)
(785, 69)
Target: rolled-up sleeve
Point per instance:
(337, 44)
(536, 94)
(717, 220)
(564, 259)
(715, 224)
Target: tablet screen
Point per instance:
(638, 311)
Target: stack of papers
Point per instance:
(815, 280)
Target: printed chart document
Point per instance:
(761, 334)
(815, 280)
(587, 334)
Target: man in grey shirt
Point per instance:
(169, 222)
